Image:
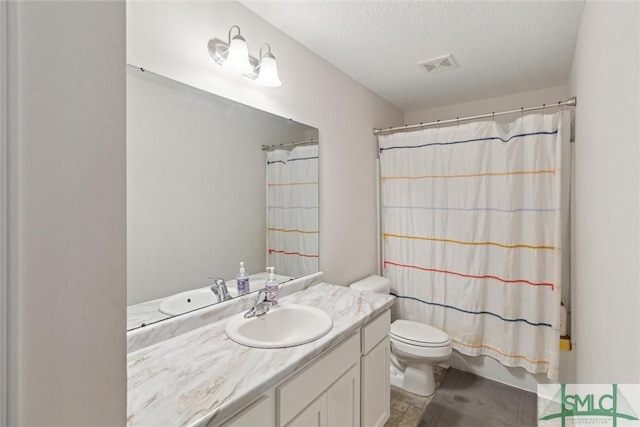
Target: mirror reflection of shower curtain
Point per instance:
(292, 210)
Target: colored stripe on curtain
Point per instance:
(472, 239)
(292, 210)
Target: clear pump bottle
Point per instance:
(242, 281)
(272, 287)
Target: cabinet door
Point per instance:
(295, 394)
(376, 390)
(344, 399)
(261, 413)
(314, 415)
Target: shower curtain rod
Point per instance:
(288, 144)
(568, 103)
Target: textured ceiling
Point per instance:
(501, 47)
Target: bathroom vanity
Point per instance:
(200, 377)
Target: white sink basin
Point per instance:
(286, 326)
(187, 301)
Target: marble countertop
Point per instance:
(201, 375)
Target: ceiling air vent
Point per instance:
(439, 64)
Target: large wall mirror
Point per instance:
(212, 183)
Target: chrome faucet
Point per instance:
(261, 306)
(220, 289)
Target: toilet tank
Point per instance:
(373, 283)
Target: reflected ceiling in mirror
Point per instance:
(203, 194)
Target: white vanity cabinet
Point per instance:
(261, 413)
(375, 392)
(326, 392)
(314, 415)
(346, 386)
(338, 406)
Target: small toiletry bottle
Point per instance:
(272, 287)
(242, 281)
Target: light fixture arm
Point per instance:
(269, 54)
(237, 35)
(267, 68)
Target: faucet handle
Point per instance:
(220, 289)
(262, 296)
(260, 307)
(219, 282)
(214, 287)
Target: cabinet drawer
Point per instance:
(375, 331)
(295, 394)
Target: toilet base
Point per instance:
(417, 379)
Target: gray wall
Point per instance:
(67, 264)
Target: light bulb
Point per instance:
(268, 75)
(238, 56)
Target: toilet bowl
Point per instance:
(415, 347)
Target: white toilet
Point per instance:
(415, 347)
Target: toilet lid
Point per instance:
(418, 333)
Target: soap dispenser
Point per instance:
(242, 281)
(272, 287)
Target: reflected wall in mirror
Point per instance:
(203, 195)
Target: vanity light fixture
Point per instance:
(268, 69)
(237, 60)
(234, 56)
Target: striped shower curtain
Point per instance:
(292, 210)
(471, 229)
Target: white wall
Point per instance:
(170, 38)
(196, 192)
(604, 77)
(486, 106)
(67, 266)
